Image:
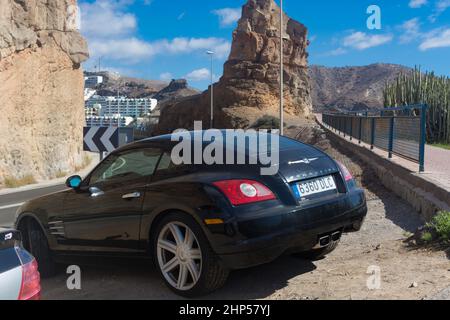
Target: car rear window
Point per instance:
(8, 259)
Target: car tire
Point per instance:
(210, 273)
(317, 254)
(39, 248)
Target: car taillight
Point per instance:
(31, 282)
(345, 172)
(244, 191)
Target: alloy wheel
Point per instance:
(179, 256)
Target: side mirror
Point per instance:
(73, 182)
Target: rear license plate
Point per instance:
(307, 188)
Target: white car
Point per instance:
(19, 275)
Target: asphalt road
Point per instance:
(9, 203)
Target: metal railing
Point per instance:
(399, 131)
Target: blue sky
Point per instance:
(161, 39)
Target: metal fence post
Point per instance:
(372, 134)
(351, 128)
(423, 128)
(344, 126)
(391, 137)
(360, 130)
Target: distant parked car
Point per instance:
(19, 275)
(197, 222)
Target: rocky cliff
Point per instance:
(351, 88)
(249, 87)
(41, 88)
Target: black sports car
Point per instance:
(196, 221)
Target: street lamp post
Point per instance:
(281, 70)
(211, 54)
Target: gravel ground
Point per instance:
(405, 273)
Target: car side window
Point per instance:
(167, 169)
(130, 165)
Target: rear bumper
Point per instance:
(269, 237)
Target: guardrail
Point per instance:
(400, 131)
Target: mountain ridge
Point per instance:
(351, 87)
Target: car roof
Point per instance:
(285, 143)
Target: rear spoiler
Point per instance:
(9, 238)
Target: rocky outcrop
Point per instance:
(41, 91)
(249, 87)
(177, 89)
(351, 88)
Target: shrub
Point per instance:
(12, 182)
(266, 122)
(441, 224)
(426, 237)
(86, 162)
(60, 174)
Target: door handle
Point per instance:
(95, 192)
(131, 195)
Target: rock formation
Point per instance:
(177, 89)
(249, 87)
(41, 88)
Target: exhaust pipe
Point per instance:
(335, 236)
(324, 241)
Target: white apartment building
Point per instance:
(108, 106)
(106, 121)
(92, 81)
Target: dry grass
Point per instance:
(12, 182)
(60, 174)
(86, 162)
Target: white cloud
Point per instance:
(166, 76)
(228, 16)
(105, 18)
(336, 52)
(362, 41)
(417, 3)
(198, 75)
(443, 5)
(411, 30)
(333, 53)
(438, 40)
(129, 49)
(440, 7)
(221, 47)
(132, 49)
(111, 33)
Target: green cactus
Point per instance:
(417, 87)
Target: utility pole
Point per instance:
(211, 54)
(281, 70)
